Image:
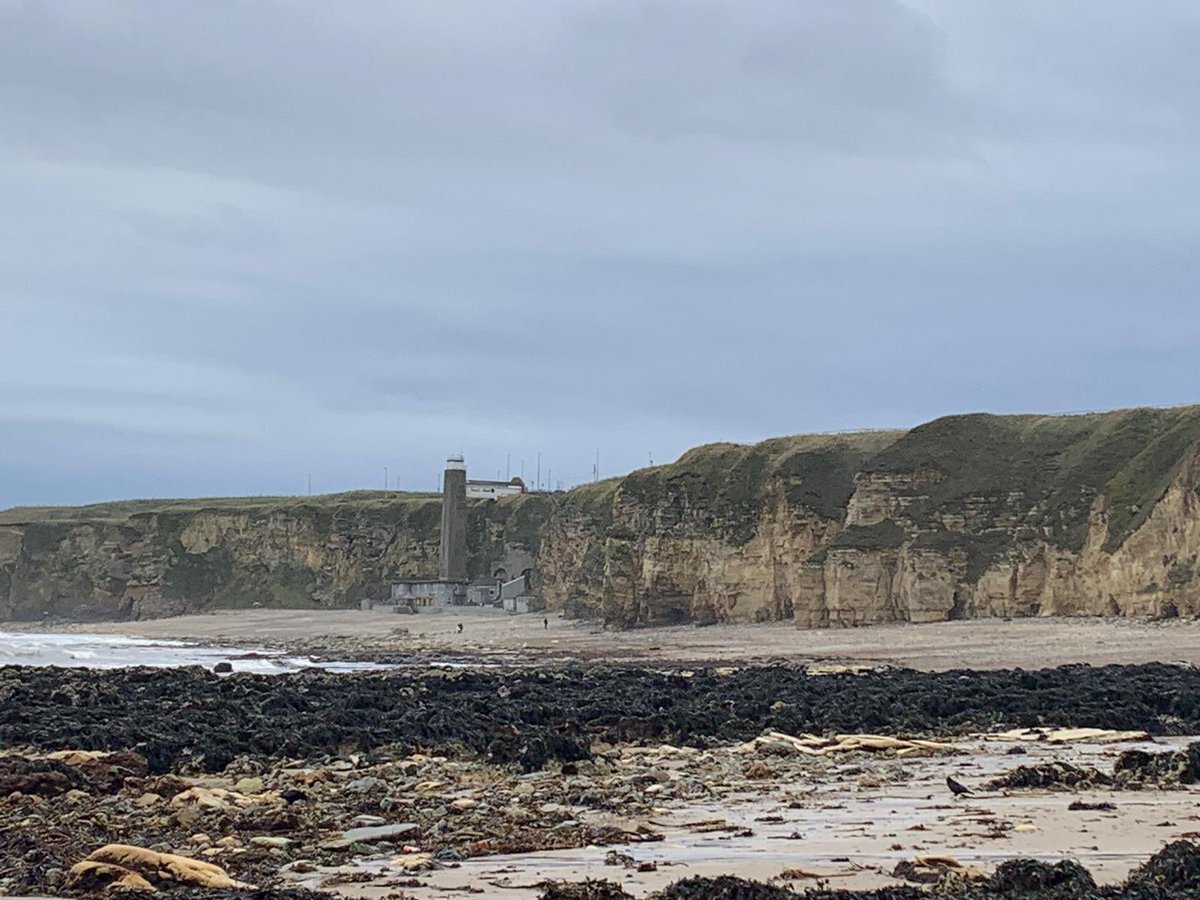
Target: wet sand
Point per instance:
(845, 827)
(719, 807)
(978, 644)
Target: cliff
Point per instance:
(142, 559)
(965, 516)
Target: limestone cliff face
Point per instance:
(963, 517)
(120, 562)
(1092, 515)
(721, 536)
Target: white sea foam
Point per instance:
(108, 651)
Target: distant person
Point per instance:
(460, 627)
(545, 624)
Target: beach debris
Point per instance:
(105, 771)
(1072, 735)
(934, 869)
(1084, 806)
(724, 887)
(1176, 868)
(842, 668)
(813, 745)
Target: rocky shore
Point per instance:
(387, 783)
(200, 721)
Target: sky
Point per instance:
(249, 243)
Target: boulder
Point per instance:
(159, 868)
(371, 834)
(93, 877)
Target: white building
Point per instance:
(494, 490)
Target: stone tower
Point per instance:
(452, 561)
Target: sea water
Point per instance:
(110, 651)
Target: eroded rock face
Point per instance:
(965, 517)
(330, 552)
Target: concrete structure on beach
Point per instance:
(453, 586)
(452, 561)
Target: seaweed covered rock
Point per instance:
(1052, 775)
(56, 773)
(725, 887)
(1175, 868)
(528, 718)
(1032, 878)
(1173, 767)
(584, 890)
(37, 777)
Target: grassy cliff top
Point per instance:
(731, 481)
(1048, 470)
(123, 510)
(1058, 464)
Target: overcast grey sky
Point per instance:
(242, 241)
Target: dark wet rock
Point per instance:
(104, 773)
(37, 777)
(223, 668)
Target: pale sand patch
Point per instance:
(978, 644)
(853, 833)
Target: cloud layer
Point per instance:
(246, 241)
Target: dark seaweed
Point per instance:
(193, 718)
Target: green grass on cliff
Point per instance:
(123, 510)
(1045, 470)
(725, 486)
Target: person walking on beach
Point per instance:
(460, 627)
(545, 624)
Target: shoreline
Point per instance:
(496, 637)
(447, 782)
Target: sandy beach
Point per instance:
(975, 644)
(526, 751)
